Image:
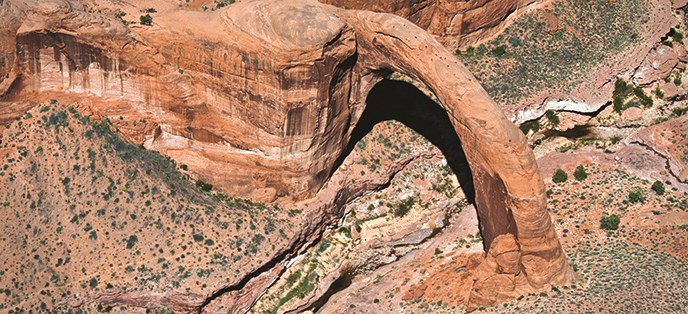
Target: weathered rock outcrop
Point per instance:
(454, 23)
(265, 99)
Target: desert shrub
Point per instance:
(636, 195)
(621, 88)
(559, 176)
(675, 35)
(514, 41)
(580, 173)
(530, 125)
(610, 222)
(324, 244)
(346, 230)
(205, 187)
(57, 119)
(645, 100)
(621, 91)
(658, 187)
(618, 104)
(198, 237)
(403, 207)
(659, 93)
(146, 19)
(552, 117)
(119, 15)
(223, 3)
(499, 51)
(677, 112)
(133, 239)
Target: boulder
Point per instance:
(657, 65)
(669, 89)
(632, 114)
(677, 4)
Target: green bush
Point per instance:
(676, 35)
(552, 117)
(622, 90)
(146, 19)
(636, 195)
(119, 15)
(644, 99)
(403, 207)
(530, 125)
(677, 112)
(610, 222)
(499, 51)
(205, 187)
(580, 173)
(223, 3)
(658, 187)
(132, 241)
(559, 176)
(659, 93)
(618, 104)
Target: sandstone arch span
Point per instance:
(509, 190)
(523, 248)
(270, 98)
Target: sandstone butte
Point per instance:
(260, 99)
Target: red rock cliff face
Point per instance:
(454, 23)
(266, 98)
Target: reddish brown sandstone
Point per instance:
(454, 23)
(260, 98)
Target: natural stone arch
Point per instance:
(331, 58)
(353, 51)
(509, 191)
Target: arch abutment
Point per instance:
(510, 193)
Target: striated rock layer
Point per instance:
(260, 99)
(454, 23)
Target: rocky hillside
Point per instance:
(91, 219)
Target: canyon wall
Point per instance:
(453, 23)
(264, 95)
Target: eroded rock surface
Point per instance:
(263, 102)
(454, 23)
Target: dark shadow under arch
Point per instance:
(403, 102)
